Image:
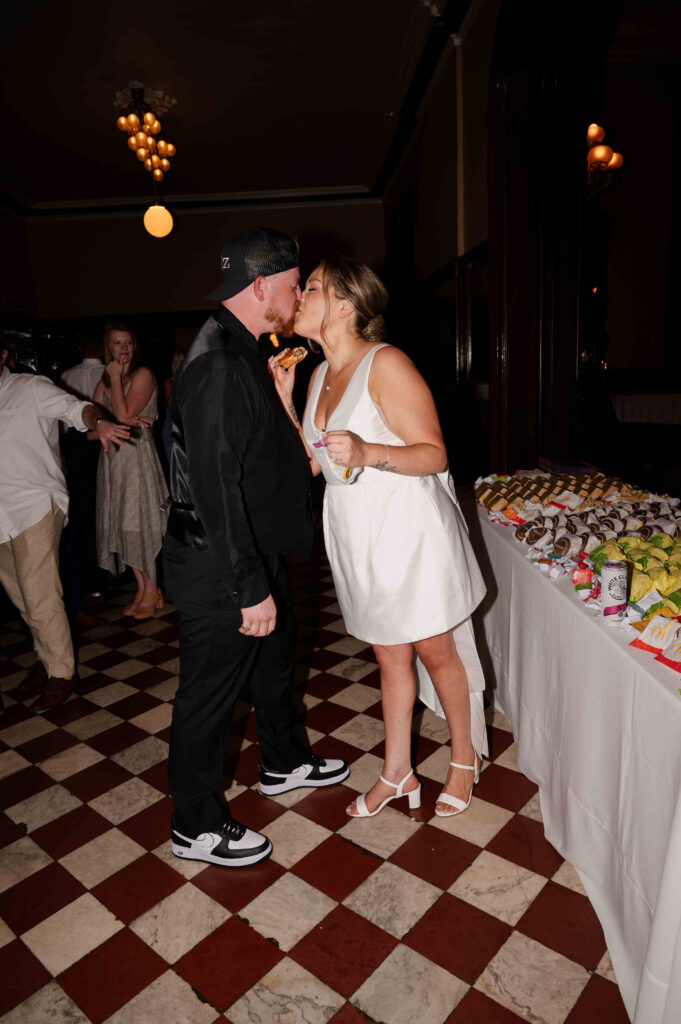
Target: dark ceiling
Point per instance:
(274, 97)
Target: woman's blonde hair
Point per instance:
(108, 355)
(355, 282)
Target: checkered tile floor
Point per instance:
(469, 920)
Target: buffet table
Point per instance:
(598, 726)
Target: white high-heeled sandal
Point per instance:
(414, 797)
(455, 801)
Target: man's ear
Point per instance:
(3, 357)
(259, 288)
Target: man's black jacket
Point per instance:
(239, 475)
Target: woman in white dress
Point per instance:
(406, 577)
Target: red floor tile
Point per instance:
(435, 856)
(92, 683)
(227, 963)
(9, 832)
(475, 1008)
(133, 705)
(157, 776)
(234, 889)
(22, 975)
(150, 827)
(166, 636)
(158, 656)
(137, 887)
(600, 1002)
(457, 936)
(51, 743)
(22, 785)
(108, 659)
(38, 896)
(499, 740)
(343, 950)
(152, 676)
(330, 747)
(336, 867)
(114, 740)
(326, 717)
(78, 707)
(17, 713)
(349, 1014)
(124, 637)
(244, 768)
(565, 921)
(72, 830)
(111, 975)
(325, 686)
(522, 841)
(505, 788)
(327, 806)
(95, 780)
(255, 810)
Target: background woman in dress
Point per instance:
(405, 575)
(130, 483)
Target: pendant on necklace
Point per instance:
(328, 387)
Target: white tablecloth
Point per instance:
(598, 726)
(647, 407)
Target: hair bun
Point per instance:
(374, 329)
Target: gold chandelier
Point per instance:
(602, 162)
(140, 108)
(143, 128)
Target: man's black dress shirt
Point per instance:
(239, 479)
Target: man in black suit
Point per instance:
(239, 483)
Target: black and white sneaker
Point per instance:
(232, 845)
(315, 773)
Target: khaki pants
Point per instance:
(29, 572)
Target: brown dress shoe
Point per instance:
(87, 620)
(33, 683)
(56, 692)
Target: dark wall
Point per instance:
(89, 266)
(639, 117)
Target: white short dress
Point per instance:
(398, 547)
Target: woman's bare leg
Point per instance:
(448, 675)
(398, 692)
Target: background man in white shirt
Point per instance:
(33, 507)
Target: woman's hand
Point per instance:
(115, 369)
(283, 379)
(346, 448)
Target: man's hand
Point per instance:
(107, 431)
(259, 619)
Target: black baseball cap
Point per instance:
(250, 254)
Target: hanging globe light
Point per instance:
(158, 221)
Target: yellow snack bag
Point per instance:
(641, 584)
(638, 556)
(660, 578)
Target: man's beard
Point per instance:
(279, 324)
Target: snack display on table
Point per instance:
(577, 524)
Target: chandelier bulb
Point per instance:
(158, 221)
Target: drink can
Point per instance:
(613, 592)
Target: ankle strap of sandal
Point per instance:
(468, 767)
(396, 785)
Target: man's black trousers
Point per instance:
(215, 662)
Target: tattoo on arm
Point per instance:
(293, 414)
(385, 466)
